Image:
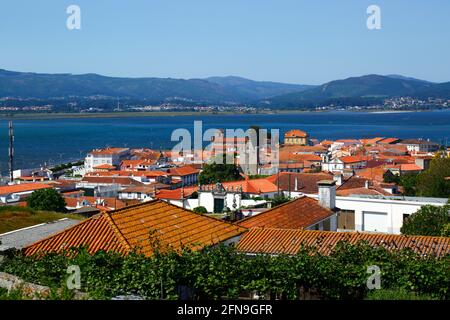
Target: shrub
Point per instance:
(46, 199)
(427, 221)
(200, 210)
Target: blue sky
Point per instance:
(293, 41)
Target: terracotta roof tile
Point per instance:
(285, 241)
(112, 180)
(97, 233)
(23, 187)
(300, 213)
(182, 171)
(353, 182)
(138, 227)
(353, 159)
(306, 182)
(296, 133)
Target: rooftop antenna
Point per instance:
(11, 151)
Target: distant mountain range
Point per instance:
(364, 89)
(220, 90)
(211, 90)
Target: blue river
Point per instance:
(39, 142)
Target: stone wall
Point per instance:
(30, 290)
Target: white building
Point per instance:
(107, 156)
(378, 213)
(415, 146)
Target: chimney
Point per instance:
(338, 179)
(327, 193)
(366, 184)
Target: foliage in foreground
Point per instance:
(221, 272)
(397, 294)
(428, 221)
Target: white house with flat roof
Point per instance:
(378, 213)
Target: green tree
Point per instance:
(200, 210)
(280, 199)
(427, 221)
(389, 177)
(433, 182)
(46, 199)
(219, 172)
(409, 184)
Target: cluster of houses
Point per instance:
(336, 190)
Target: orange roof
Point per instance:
(306, 182)
(285, 241)
(410, 167)
(288, 156)
(138, 162)
(373, 174)
(353, 159)
(295, 134)
(302, 149)
(126, 173)
(23, 187)
(255, 186)
(108, 151)
(300, 213)
(354, 141)
(182, 171)
(105, 166)
(327, 142)
(388, 140)
(372, 141)
(371, 191)
(174, 194)
(140, 227)
(98, 232)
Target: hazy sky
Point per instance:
(293, 41)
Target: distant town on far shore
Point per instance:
(48, 93)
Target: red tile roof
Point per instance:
(23, 187)
(140, 227)
(105, 166)
(353, 159)
(112, 180)
(389, 140)
(182, 171)
(371, 191)
(306, 182)
(175, 194)
(285, 241)
(353, 141)
(295, 134)
(353, 182)
(300, 213)
(108, 151)
(253, 186)
(373, 174)
(410, 167)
